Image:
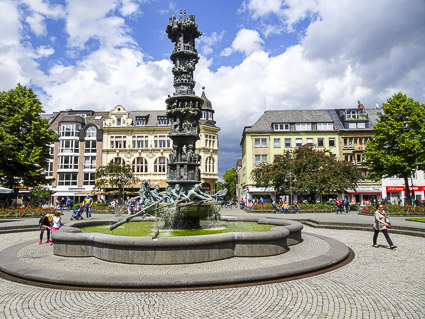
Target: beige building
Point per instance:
(140, 139)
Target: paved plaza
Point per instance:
(378, 283)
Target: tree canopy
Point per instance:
(307, 171)
(397, 148)
(114, 175)
(25, 138)
(229, 177)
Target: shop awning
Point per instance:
(63, 194)
(4, 190)
(365, 190)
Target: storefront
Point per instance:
(364, 195)
(395, 194)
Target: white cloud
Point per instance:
(246, 41)
(207, 42)
(109, 77)
(87, 20)
(37, 24)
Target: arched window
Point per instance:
(140, 165)
(118, 160)
(160, 165)
(209, 164)
(91, 132)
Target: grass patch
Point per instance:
(419, 219)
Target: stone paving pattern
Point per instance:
(379, 283)
(42, 256)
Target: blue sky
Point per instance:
(256, 55)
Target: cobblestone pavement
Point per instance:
(379, 283)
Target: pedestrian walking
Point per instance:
(68, 203)
(346, 205)
(338, 204)
(62, 204)
(381, 223)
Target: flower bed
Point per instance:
(304, 208)
(396, 210)
(28, 211)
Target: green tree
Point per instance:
(229, 177)
(25, 138)
(397, 148)
(40, 193)
(114, 175)
(307, 171)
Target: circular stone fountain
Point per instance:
(72, 242)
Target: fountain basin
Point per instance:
(70, 241)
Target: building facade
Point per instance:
(87, 140)
(344, 132)
(76, 153)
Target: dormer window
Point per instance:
(162, 120)
(141, 120)
(281, 127)
(325, 126)
(303, 126)
(118, 121)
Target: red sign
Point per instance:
(401, 188)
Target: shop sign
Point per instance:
(401, 188)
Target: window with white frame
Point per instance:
(303, 126)
(141, 120)
(69, 129)
(65, 179)
(89, 162)
(276, 142)
(118, 141)
(260, 142)
(298, 141)
(259, 159)
(118, 161)
(141, 141)
(361, 125)
(352, 125)
(320, 142)
(119, 121)
(67, 162)
(331, 142)
(281, 126)
(161, 141)
(90, 147)
(91, 132)
(52, 149)
(209, 141)
(162, 120)
(88, 179)
(49, 169)
(140, 165)
(325, 126)
(309, 140)
(209, 164)
(69, 146)
(160, 165)
(288, 142)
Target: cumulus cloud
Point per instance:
(348, 51)
(106, 78)
(207, 42)
(246, 41)
(87, 20)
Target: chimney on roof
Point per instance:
(360, 106)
